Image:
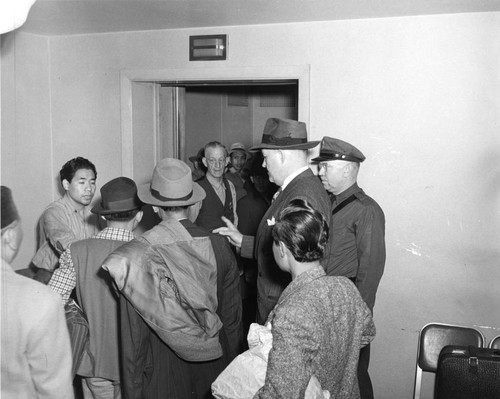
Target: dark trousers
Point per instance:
(364, 381)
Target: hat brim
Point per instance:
(302, 146)
(322, 159)
(144, 194)
(98, 210)
(329, 158)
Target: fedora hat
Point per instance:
(284, 134)
(171, 185)
(117, 196)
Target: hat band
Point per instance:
(119, 205)
(337, 156)
(158, 196)
(282, 141)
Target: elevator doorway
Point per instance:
(192, 114)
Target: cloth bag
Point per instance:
(170, 278)
(246, 374)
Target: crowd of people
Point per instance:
(245, 235)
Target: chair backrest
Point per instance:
(495, 343)
(433, 338)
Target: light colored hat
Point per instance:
(284, 134)
(171, 185)
(237, 147)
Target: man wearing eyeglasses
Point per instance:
(221, 193)
(357, 231)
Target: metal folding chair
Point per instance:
(432, 338)
(495, 343)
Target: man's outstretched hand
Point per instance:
(231, 232)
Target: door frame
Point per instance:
(301, 73)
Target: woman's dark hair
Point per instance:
(303, 230)
(69, 168)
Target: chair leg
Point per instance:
(418, 383)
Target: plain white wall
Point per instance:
(26, 149)
(418, 95)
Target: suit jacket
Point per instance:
(99, 301)
(36, 351)
(271, 281)
(319, 325)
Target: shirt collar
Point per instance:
(292, 176)
(116, 234)
(301, 280)
(71, 206)
(347, 193)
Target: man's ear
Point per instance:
(65, 184)
(228, 159)
(282, 156)
(7, 234)
(204, 160)
(9, 238)
(156, 209)
(138, 216)
(282, 248)
(348, 168)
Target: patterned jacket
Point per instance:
(319, 325)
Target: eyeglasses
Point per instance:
(213, 161)
(323, 165)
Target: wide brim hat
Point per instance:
(284, 134)
(118, 196)
(333, 149)
(171, 185)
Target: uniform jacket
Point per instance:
(319, 325)
(357, 242)
(271, 281)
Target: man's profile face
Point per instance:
(272, 162)
(215, 160)
(238, 159)
(81, 189)
(332, 175)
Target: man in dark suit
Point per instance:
(284, 147)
